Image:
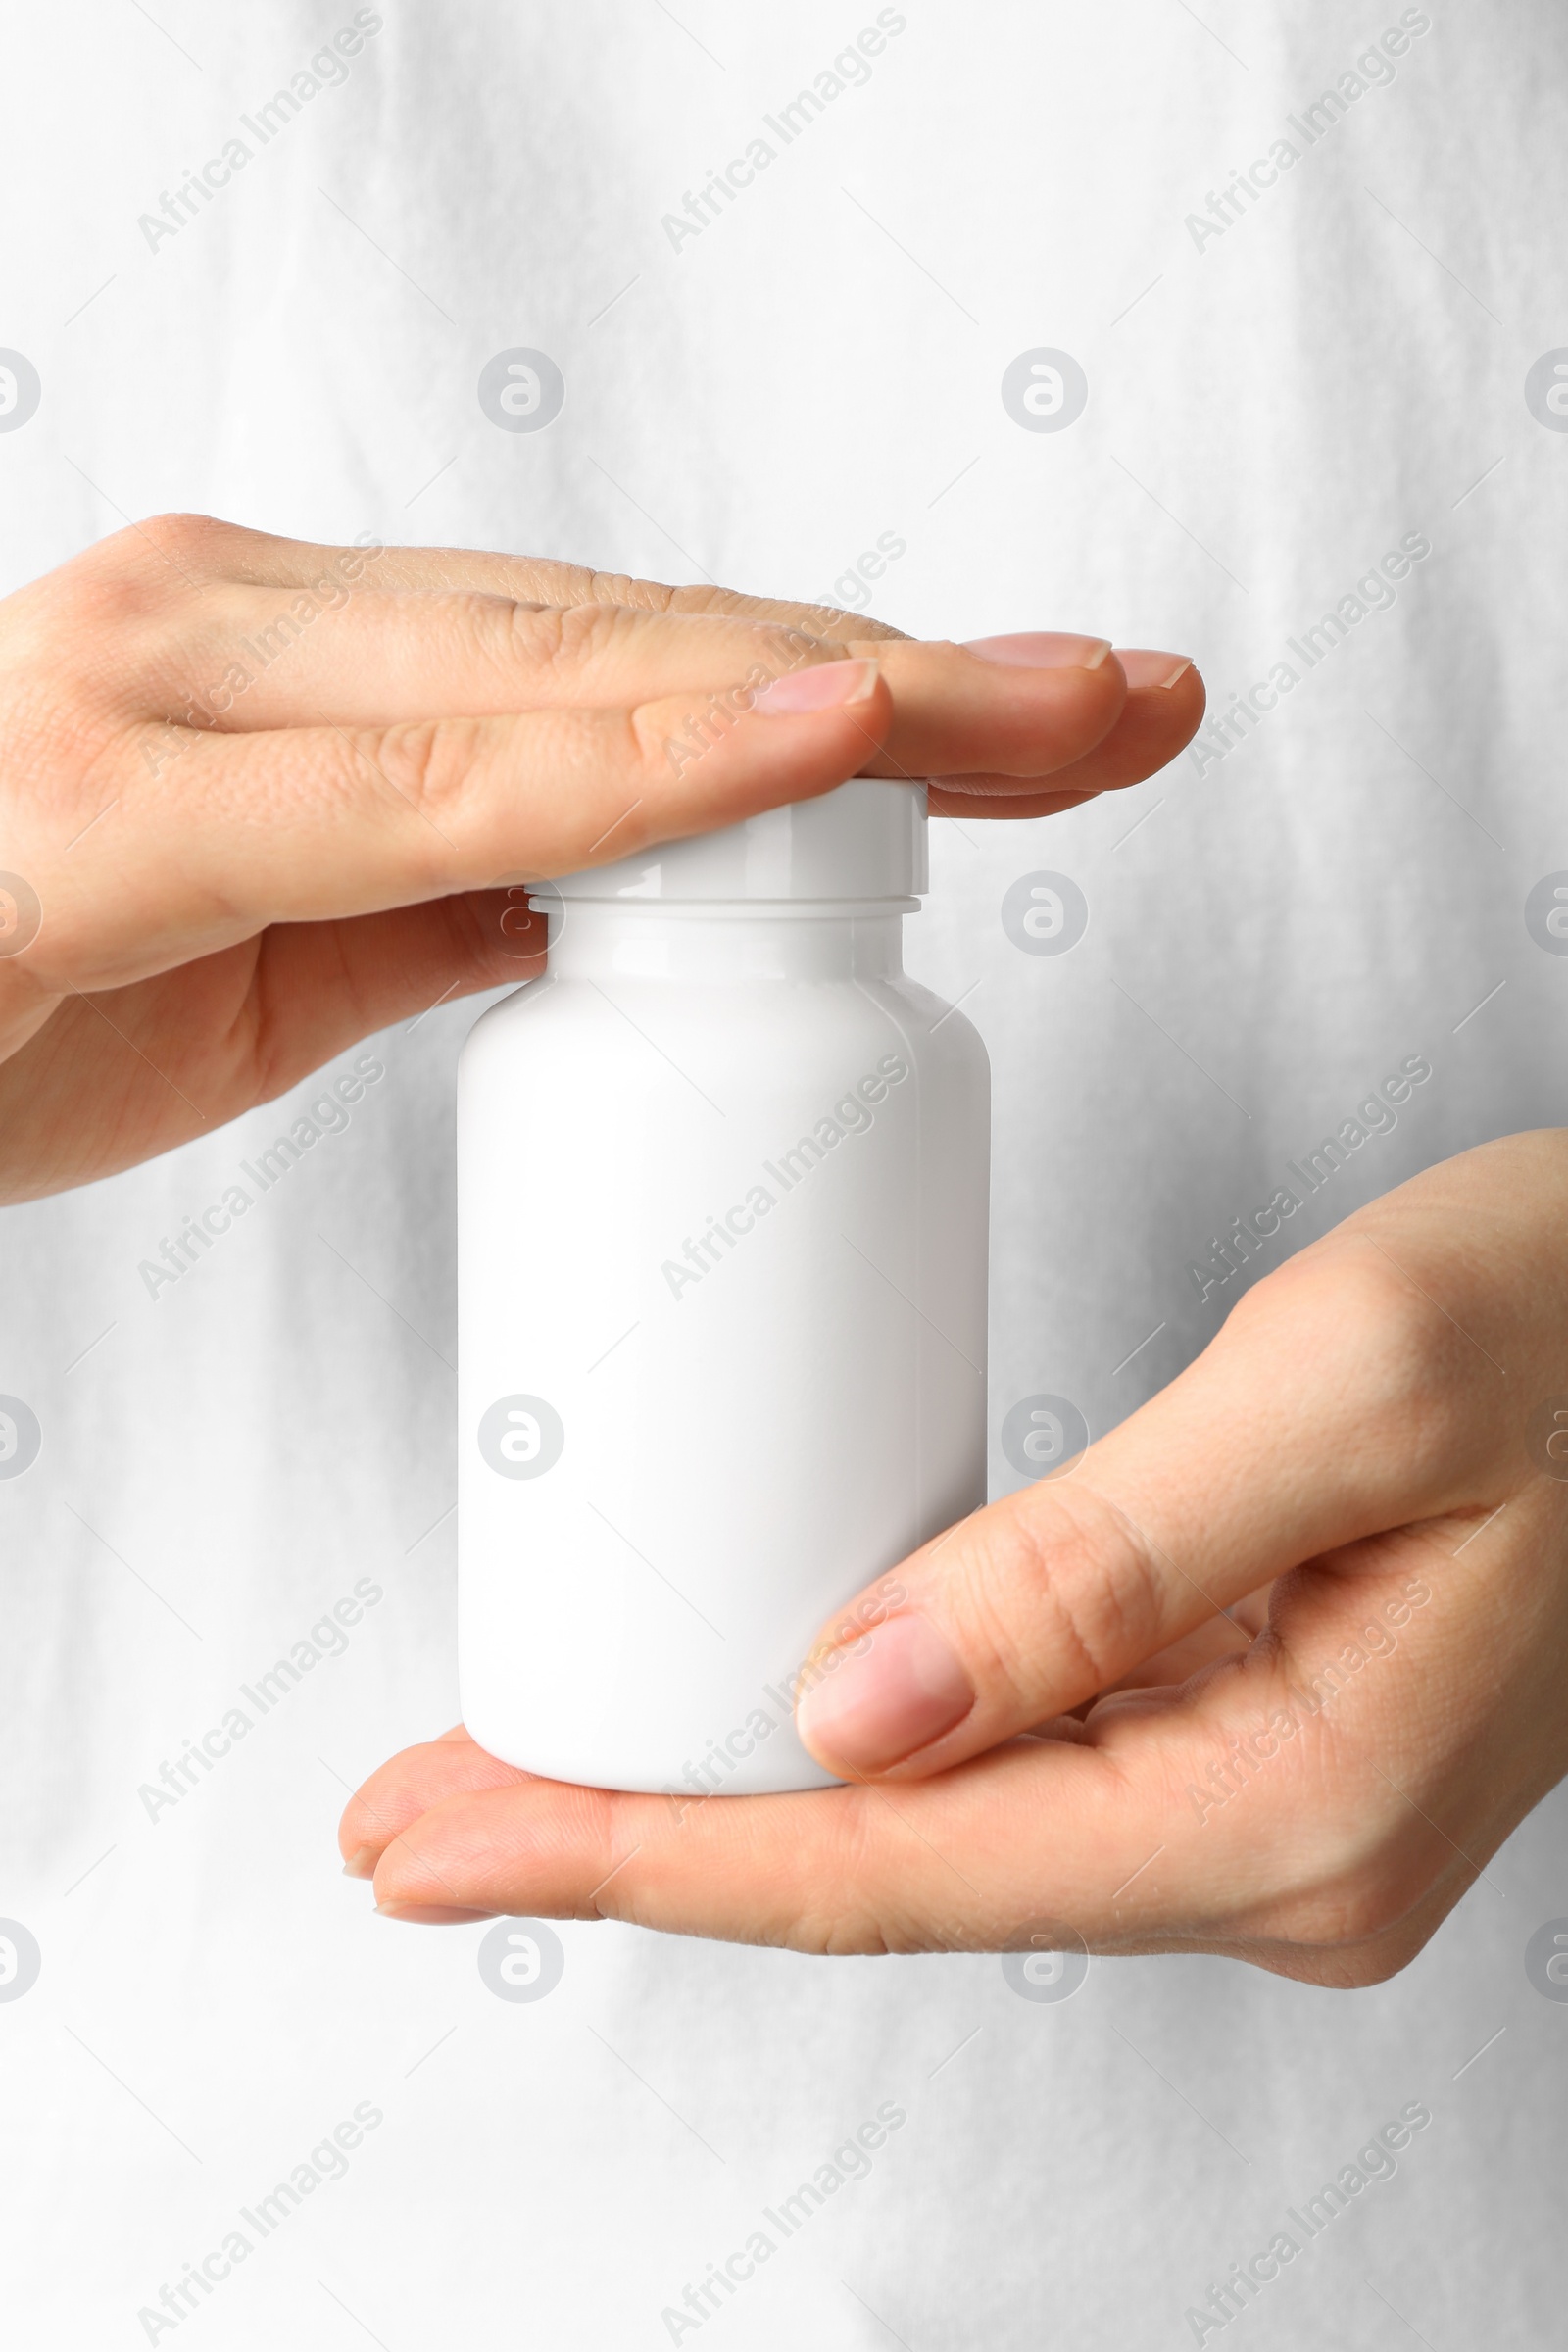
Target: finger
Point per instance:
(393, 1798)
(1316, 1417)
(848, 1870)
(186, 554)
(1164, 710)
(1041, 723)
(230, 1030)
(318, 987)
(1226, 1636)
(197, 553)
(313, 824)
(452, 1764)
(1283, 1807)
(1207, 1645)
(1099, 1834)
(247, 658)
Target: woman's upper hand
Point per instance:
(1273, 1672)
(258, 797)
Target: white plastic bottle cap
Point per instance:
(865, 839)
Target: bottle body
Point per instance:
(723, 1200)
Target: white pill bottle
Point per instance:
(723, 1180)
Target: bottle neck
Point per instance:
(729, 940)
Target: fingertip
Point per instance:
(869, 1707)
(1170, 689)
(1040, 649)
(840, 712)
(1153, 672)
(431, 1915)
(820, 686)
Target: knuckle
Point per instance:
(445, 776)
(646, 596)
(113, 588)
(571, 585)
(189, 533)
(1059, 1593)
(542, 580)
(141, 573)
(511, 639)
(168, 544)
(1352, 1323)
(429, 765)
(646, 745)
(558, 642)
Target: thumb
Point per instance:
(1312, 1419)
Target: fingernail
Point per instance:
(821, 688)
(428, 1915)
(902, 1692)
(1041, 649)
(1145, 669)
(361, 1864)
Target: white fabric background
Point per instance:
(819, 366)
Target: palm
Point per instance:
(120, 1075)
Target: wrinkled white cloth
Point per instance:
(1287, 381)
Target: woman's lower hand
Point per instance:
(1272, 1672)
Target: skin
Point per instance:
(235, 881)
(1327, 1563)
(1271, 1671)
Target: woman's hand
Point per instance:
(1272, 1671)
(258, 797)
